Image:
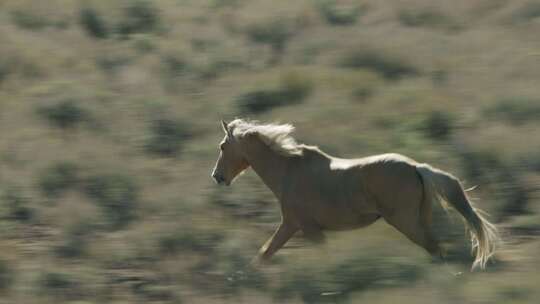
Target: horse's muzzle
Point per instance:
(218, 178)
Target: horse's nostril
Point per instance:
(219, 179)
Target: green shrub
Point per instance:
(65, 114)
(6, 276)
(390, 68)
(293, 90)
(167, 137)
(155, 291)
(528, 12)
(362, 94)
(216, 68)
(485, 168)
(60, 284)
(58, 178)
(516, 110)
(437, 125)
(174, 66)
(143, 44)
(259, 101)
(93, 23)
(337, 14)
(139, 17)
(28, 20)
(527, 224)
(295, 87)
(426, 18)
(226, 3)
(15, 205)
(6, 68)
(110, 63)
(276, 33)
(75, 241)
(336, 284)
(116, 194)
(196, 241)
(226, 273)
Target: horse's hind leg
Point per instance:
(417, 230)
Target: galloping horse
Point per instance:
(319, 192)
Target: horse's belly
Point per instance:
(344, 216)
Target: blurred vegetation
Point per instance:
(139, 16)
(65, 114)
(109, 126)
(388, 67)
(116, 194)
(15, 205)
(293, 89)
(93, 23)
(167, 137)
(337, 14)
(6, 278)
(58, 178)
(427, 18)
(517, 110)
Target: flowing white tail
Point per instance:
(445, 188)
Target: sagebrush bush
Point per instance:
(143, 44)
(276, 33)
(6, 276)
(437, 125)
(58, 283)
(75, 241)
(293, 89)
(362, 94)
(110, 63)
(529, 11)
(337, 14)
(28, 20)
(345, 278)
(259, 101)
(64, 114)
(58, 178)
(174, 65)
(389, 67)
(195, 241)
(515, 110)
(426, 18)
(485, 168)
(140, 16)
(116, 194)
(167, 136)
(6, 68)
(15, 205)
(93, 23)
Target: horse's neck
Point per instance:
(268, 164)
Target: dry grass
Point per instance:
(475, 74)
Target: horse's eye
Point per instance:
(221, 147)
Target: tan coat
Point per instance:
(318, 192)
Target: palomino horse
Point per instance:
(319, 192)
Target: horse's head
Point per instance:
(231, 160)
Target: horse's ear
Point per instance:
(225, 127)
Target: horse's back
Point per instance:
(392, 180)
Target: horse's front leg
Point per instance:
(284, 232)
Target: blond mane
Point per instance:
(276, 136)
